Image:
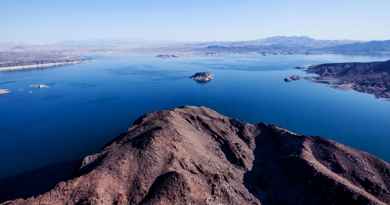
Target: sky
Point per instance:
(44, 21)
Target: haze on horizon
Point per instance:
(45, 21)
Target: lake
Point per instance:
(89, 104)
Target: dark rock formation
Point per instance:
(202, 77)
(193, 155)
(372, 78)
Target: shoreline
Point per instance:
(38, 66)
(38, 180)
(351, 86)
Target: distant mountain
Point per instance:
(287, 41)
(277, 45)
(272, 45)
(299, 45)
(363, 48)
(301, 41)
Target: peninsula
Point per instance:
(372, 78)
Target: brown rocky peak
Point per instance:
(193, 155)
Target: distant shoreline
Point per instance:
(4, 91)
(38, 65)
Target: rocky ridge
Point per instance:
(194, 155)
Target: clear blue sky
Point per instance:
(194, 20)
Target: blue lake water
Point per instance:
(89, 104)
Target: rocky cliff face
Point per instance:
(193, 155)
(372, 78)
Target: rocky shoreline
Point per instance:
(194, 155)
(292, 78)
(372, 78)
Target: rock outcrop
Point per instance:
(193, 155)
(292, 78)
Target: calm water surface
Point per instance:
(87, 105)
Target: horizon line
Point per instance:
(140, 40)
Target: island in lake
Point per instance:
(194, 155)
(40, 86)
(372, 78)
(202, 77)
(167, 56)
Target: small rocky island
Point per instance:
(4, 91)
(194, 155)
(202, 77)
(372, 78)
(166, 56)
(39, 86)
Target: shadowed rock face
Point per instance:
(193, 155)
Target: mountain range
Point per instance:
(299, 45)
(266, 46)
